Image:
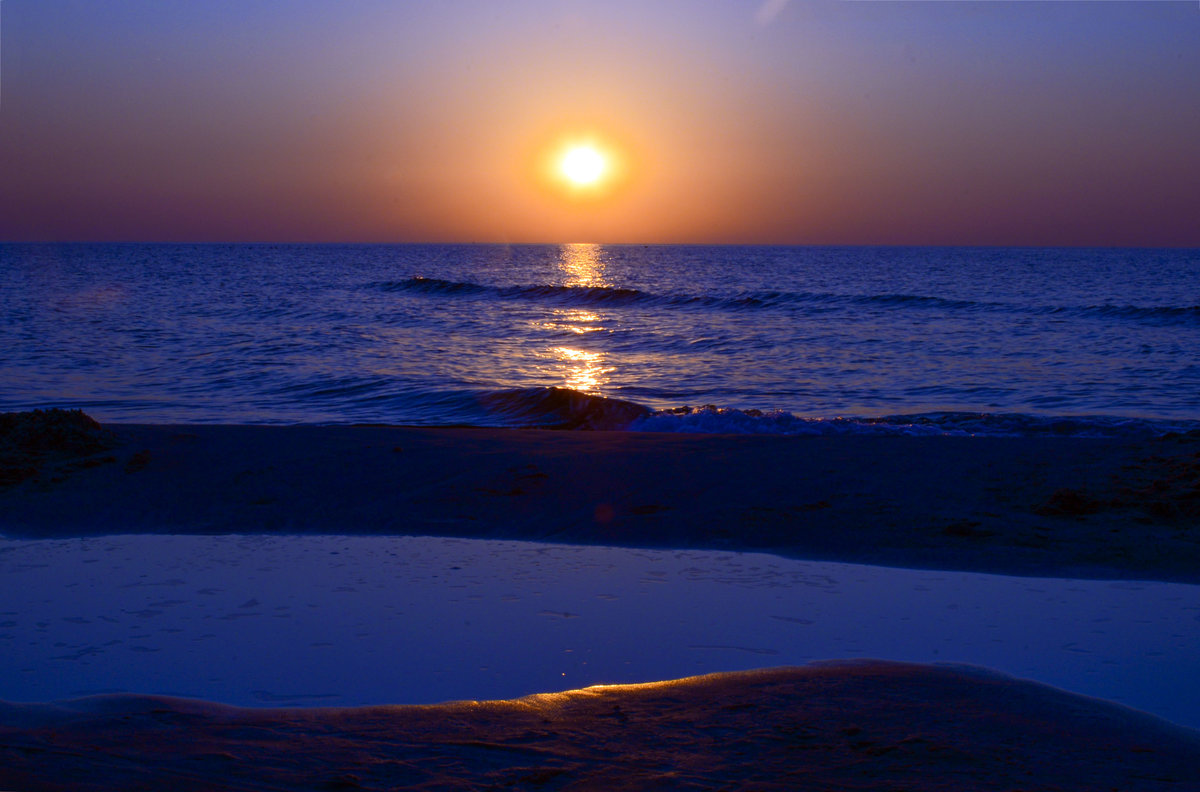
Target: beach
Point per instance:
(599, 396)
(1061, 507)
(1050, 506)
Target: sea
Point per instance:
(663, 338)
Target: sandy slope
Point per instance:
(836, 727)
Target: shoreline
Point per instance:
(1033, 506)
(320, 620)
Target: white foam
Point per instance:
(723, 420)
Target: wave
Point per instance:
(723, 420)
(563, 408)
(560, 408)
(575, 295)
(1166, 314)
(612, 295)
(601, 296)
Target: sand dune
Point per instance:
(834, 727)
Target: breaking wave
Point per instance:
(560, 408)
(711, 419)
(563, 408)
(602, 296)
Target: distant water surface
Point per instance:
(980, 340)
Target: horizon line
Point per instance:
(476, 243)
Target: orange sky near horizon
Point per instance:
(796, 123)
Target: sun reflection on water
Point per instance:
(583, 370)
(582, 264)
(573, 320)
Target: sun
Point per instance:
(578, 169)
(582, 165)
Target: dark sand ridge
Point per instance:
(862, 726)
(1054, 506)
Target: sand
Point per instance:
(1057, 507)
(867, 726)
(325, 620)
(1050, 507)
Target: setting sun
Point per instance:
(582, 165)
(581, 172)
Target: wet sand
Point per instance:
(1050, 507)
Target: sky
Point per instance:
(776, 122)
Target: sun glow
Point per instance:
(579, 170)
(582, 165)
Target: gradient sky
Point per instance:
(821, 122)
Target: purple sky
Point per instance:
(1009, 123)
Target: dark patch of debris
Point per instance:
(1172, 493)
(29, 441)
(1163, 489)
(1066, 502)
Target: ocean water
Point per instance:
(654, 338)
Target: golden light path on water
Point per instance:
(582, 265)
(579, 369)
